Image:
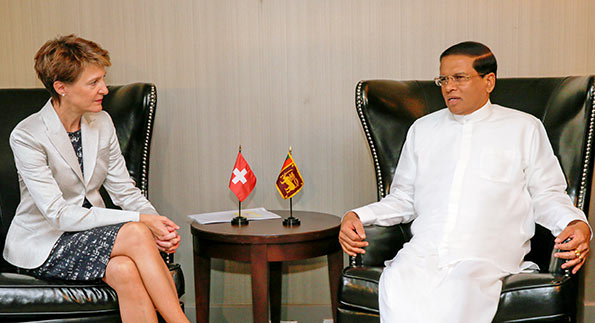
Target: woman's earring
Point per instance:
(63, 94)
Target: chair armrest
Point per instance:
(384, 243)
(556, 264)
(355, 261)
(178, 277)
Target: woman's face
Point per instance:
(86, 93)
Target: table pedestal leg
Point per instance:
(202, 282)
(275, 290)
(260, 285)
(335, 266)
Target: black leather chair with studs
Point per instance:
(386, 110)
(24, 298)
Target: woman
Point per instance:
(64, 153)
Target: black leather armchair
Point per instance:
(386, 110)
(25, 298)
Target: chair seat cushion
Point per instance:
(527, 297)
(359, 288)
(524, 297)
(24, 297)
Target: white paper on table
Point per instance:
(226, 216)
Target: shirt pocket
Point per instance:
(497, 165)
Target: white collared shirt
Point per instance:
(476, 184)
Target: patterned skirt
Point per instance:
(81, 255)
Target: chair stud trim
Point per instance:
(145, 171)
(359, 102)
(583, 187)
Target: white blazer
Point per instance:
(53, 188)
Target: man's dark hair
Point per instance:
(485, 61)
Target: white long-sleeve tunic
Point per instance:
(476, 185)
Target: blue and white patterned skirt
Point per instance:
(81, 255)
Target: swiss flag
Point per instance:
(242, 180)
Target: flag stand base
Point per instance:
(239, 220)
(291, 221)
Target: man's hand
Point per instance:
(352, 235)
(575, 250)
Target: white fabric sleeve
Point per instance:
(31, 163)
(546, 183)
(397, 206)
(118, 182)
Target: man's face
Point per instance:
(466, 90)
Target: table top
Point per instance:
(314, 226)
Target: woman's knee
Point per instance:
(134, 239)
(135, 231)
(121, 271)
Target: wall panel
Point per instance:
(269, 74)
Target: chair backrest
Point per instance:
(565, 106)
(132, 108)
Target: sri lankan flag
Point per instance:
(289, 181)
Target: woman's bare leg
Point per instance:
(135, 241)
(134, 302)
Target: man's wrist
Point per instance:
(577, 222)
(350, 213)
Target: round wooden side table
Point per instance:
(266, 244)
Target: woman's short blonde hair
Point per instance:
(64, 59)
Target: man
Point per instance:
(475, 177)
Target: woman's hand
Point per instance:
(169, 246)
(164, 231)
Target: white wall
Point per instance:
(269, 74)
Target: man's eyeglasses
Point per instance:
(458, 79)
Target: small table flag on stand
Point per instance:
(242, 183)
(288, 184)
